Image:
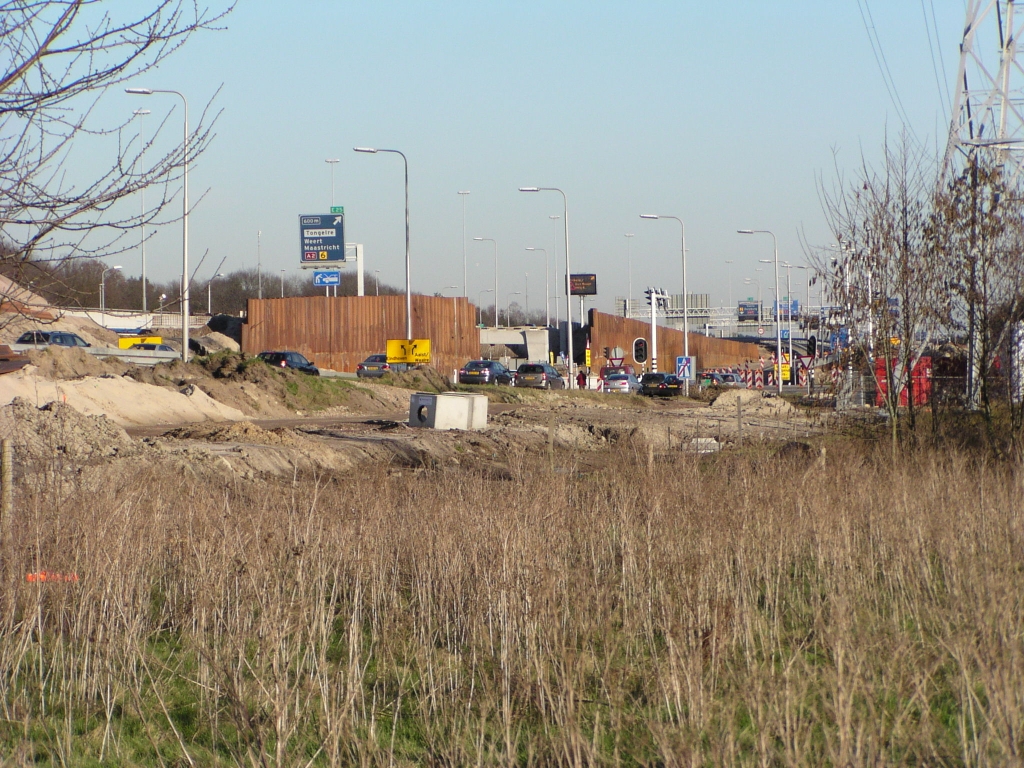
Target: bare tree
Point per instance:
(886, 276)
(977, 233)
(59, 58)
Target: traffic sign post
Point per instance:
(323, 238)
(685, 367)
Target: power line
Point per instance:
(883, 66)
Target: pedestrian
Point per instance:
(581, 380)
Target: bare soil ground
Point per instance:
(234, 416)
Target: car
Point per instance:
(610, 370)
(52, 338)
(625, 383)
(539, 376)
(709, 379)
(661, 385)
(148, 347)
(484, 372)
(293, 360)
(376, 366)
(733, 380)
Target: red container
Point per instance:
(920, 382)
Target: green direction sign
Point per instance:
(338, 209)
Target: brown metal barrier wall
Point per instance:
(613, 331)
(337, 333)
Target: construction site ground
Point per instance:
(232, 417)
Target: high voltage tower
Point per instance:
(987, 110)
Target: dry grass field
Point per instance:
(735, 609)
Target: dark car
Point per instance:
(484, 372)
(661, 385)
(292, 360)
(539, 375)
(150, 347)
(376, 366)
(55, 338)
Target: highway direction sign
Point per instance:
(323, 237)
(324, 279)
(412, 351)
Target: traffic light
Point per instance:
(640, 350)
(812, 346)
(648, 293)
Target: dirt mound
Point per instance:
(752, 400)
(237, 432)
(57, 430)
(61, 364)
(217, 342)
(427, 379)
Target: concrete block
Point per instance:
(445, 411)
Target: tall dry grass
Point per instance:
(724, 610)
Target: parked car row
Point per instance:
(536, 375)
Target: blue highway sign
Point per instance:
(323, 237)
(323, 279)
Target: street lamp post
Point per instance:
(408, 288)
(463, 194)
(331, 161)
(259, 264)
(479, 304)
(376, 281)
(568, 298)
(495, 242)
(103, 292)
(142, 221)
(547, 287)
(184, 217)
(508, 306)
(209, 293)
(778, 324)
(729, 262)
(282, 283)
(686, 300)
(629, 267)
(554, 257)
(748, 281)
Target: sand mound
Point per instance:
(751, 399)
(238, 432)
(58, 364)
(57, 430)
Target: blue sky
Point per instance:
(722, 114)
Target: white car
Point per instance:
(624, 383)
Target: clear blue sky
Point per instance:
(721, 114)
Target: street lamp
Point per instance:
(376, 280)
(408, 288)
(778, 325)
(568, 301)
(463, 195)
(282, 283)
(554, 257)
(492, 240)
(184, 217)
(479, 305)
(331, 161)
(686, 300)
(508, 306)
(547, 287)
(103, 291)
(142, 219)
(209, 292)
(629, 267)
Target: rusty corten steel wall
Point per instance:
(337, 333)
(613, 331)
